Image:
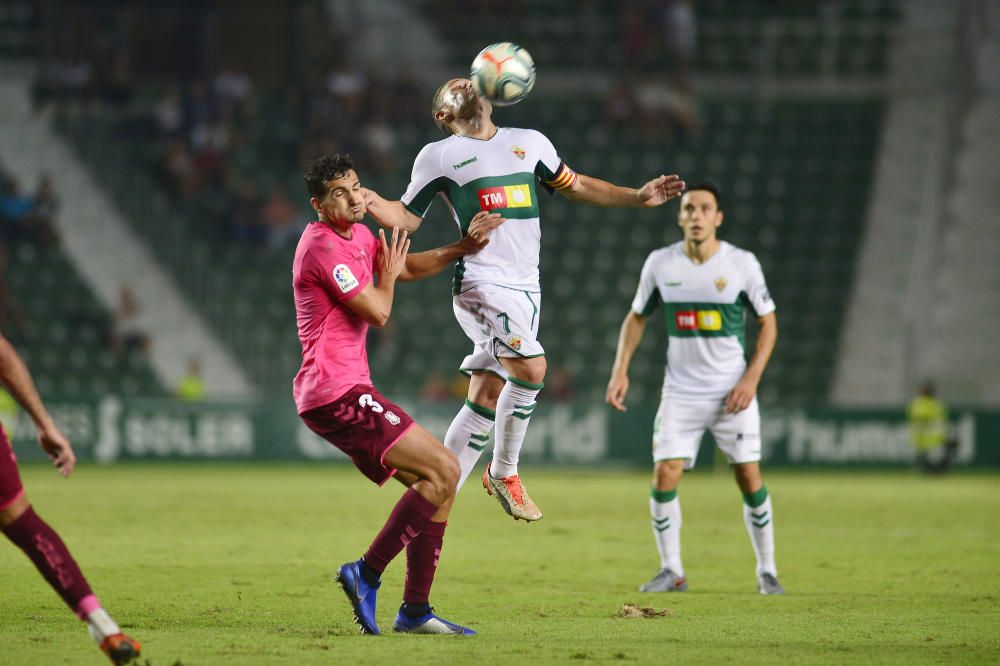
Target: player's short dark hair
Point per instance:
(707, 186)
(325, 169)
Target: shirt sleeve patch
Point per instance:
(344, 278)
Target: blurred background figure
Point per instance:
(129, 333)
(192, 386)
(929, 433)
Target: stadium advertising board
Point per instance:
(114, 428)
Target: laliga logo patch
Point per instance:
(344, 278)
(392, 418)
(514, 343)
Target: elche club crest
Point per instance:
(519, 151)
(720, 284)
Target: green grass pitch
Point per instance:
(217, 564)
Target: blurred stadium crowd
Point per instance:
(180, 105)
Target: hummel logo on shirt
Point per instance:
(458, 166)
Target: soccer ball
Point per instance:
(504, 73)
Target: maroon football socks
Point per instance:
(422, 556)
(411, 516)
(44, 547)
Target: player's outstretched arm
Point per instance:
(628, 339)
(390, 214)
(602, 193)
(422, 265)
(15, 376)
(374, 302)
(743, 393)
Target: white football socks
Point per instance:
(665, 508)
(514, 408)
(468, 435)
(759, 520)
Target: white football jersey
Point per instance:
(498, 175)
(704, 305)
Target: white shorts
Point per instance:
(500, 322)
(680, 424)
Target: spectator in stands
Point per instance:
(381, 143)
(128, 333)
(14, 210)
(13, 321)
(280, 216)
(210, 144)
(169, 112)
(192, 386)
(245, 225)
(348, 83)
(680, 31)
(46, 201)
(200, 107)
(232, 88)
(635, 35)
(24, 218)
(117, 87)
(45, 205)
(667, 104)
(177, 167)
(928, 418)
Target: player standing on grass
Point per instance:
(704, 285)
(30, 533)
(336, 299)
(497, 297)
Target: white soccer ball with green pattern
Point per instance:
(504, 73)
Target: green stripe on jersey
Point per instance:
(485, 193)
(475, 196)
(706, 320)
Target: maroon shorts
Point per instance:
(363, 424)
(10, 480)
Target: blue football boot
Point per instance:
(429, 623)
(361, 595)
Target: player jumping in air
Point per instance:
(704, 285)
(497, 297)
(336, 299)
(30, 533)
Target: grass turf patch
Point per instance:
(231, 564)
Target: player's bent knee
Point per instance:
(452, 473)
(531, 370)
